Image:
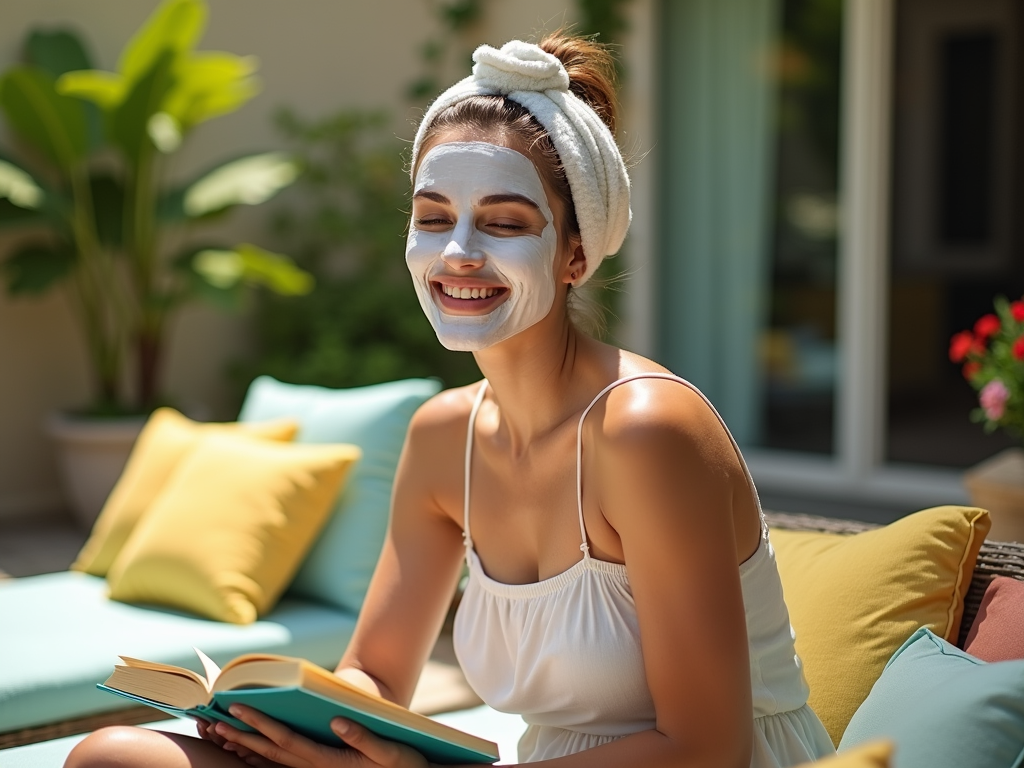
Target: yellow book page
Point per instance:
(166, 685)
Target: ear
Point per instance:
(577, 266)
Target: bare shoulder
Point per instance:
(653, 404)
(645, 420)
(443, 417)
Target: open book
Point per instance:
(296, 692)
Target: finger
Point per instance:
(379, 751)
(274, 741)
(244, 754)
(207, 732)
(244, 744)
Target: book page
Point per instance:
(164, 686)
(156, 666)
(209, 666)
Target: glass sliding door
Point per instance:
(799, 343)
(956, 223)
(750, 218)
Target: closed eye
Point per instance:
(433, 221)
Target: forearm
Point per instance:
(654, 749)
(363, 680)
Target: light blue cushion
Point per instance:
(337, 570)
(67, 637)
(944, 708)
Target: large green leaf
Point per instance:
(26, 201)
(175, 26)
(129, 123)
(19, 187)
(230, 297)
(52, 123)
(251, 265)
(35, 268)
(105, 89)
(210, 84)
(56, 51)
(248, 180)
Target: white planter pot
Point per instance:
(91, 453)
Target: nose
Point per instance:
(460, 252)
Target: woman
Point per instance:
(622, 594)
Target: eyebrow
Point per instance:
(509, 198)
(437, 197)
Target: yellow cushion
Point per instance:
(231, 526)
(854, 600)
(165, 440)
(875, 754)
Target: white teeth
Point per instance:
(468, 293)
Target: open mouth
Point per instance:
(468, 300)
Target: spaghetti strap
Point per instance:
(585, 546)
(466, 538)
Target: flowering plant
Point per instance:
(992, 355)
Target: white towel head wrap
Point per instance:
(535, 79)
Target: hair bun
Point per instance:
(519, 66)
(590, 67)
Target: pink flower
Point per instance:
(993, 399)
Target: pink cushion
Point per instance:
(998, 630)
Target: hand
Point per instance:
(277, 745)
(208, 733)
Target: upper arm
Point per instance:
(420, 561)
(668, 478)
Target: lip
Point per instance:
(467, 307)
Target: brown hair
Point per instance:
(591, 70)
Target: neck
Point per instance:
(540, 378)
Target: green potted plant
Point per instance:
(992, 356)
(86, 180)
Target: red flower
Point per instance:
(1018, 348)
(1017, 310)
(986, 326)
(970, 369)
(960, 345)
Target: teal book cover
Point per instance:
(310, 714)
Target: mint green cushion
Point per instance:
(944, 708)
(337, 570)
(61, 636)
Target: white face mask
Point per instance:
(518, 269)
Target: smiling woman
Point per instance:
(622, 594)
(481, 225)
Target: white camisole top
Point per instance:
(564, 652)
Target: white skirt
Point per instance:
(781, 740)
